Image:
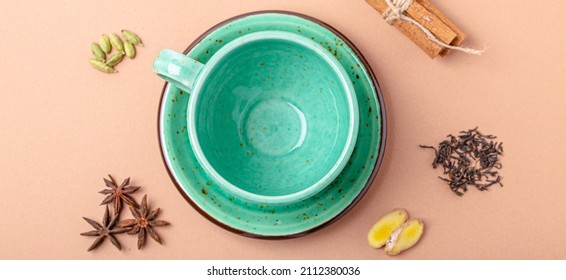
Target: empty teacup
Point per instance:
(272, 116)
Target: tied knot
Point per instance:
(395, 10)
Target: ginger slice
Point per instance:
(404, 237)
(380, 231)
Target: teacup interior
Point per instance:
(272, 117)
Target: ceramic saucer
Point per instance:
(289, 220)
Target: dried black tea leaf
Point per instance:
(469, 159)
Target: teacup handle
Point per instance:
(178, 69)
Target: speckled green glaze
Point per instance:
(272, 117)
(281, 220)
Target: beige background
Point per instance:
(64, 126)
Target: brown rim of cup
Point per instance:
(375, 168)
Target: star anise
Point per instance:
(117, 194)
(105, 230)
(143, 223)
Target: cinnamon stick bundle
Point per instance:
(430, 17)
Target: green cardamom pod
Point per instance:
(105, 44)
(116, 42)
(101, 66)
(97, 52)
(130, 49)
(115, 59)
(132, 37)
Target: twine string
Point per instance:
(396, 11)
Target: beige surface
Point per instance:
(64, 126)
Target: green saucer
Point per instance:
(288, 220)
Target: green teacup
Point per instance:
(272, 116)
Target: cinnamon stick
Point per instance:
(426, 14)
(461, 36)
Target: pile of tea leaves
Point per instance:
(469, 159)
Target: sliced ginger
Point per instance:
(380, 231)
(404, 237)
